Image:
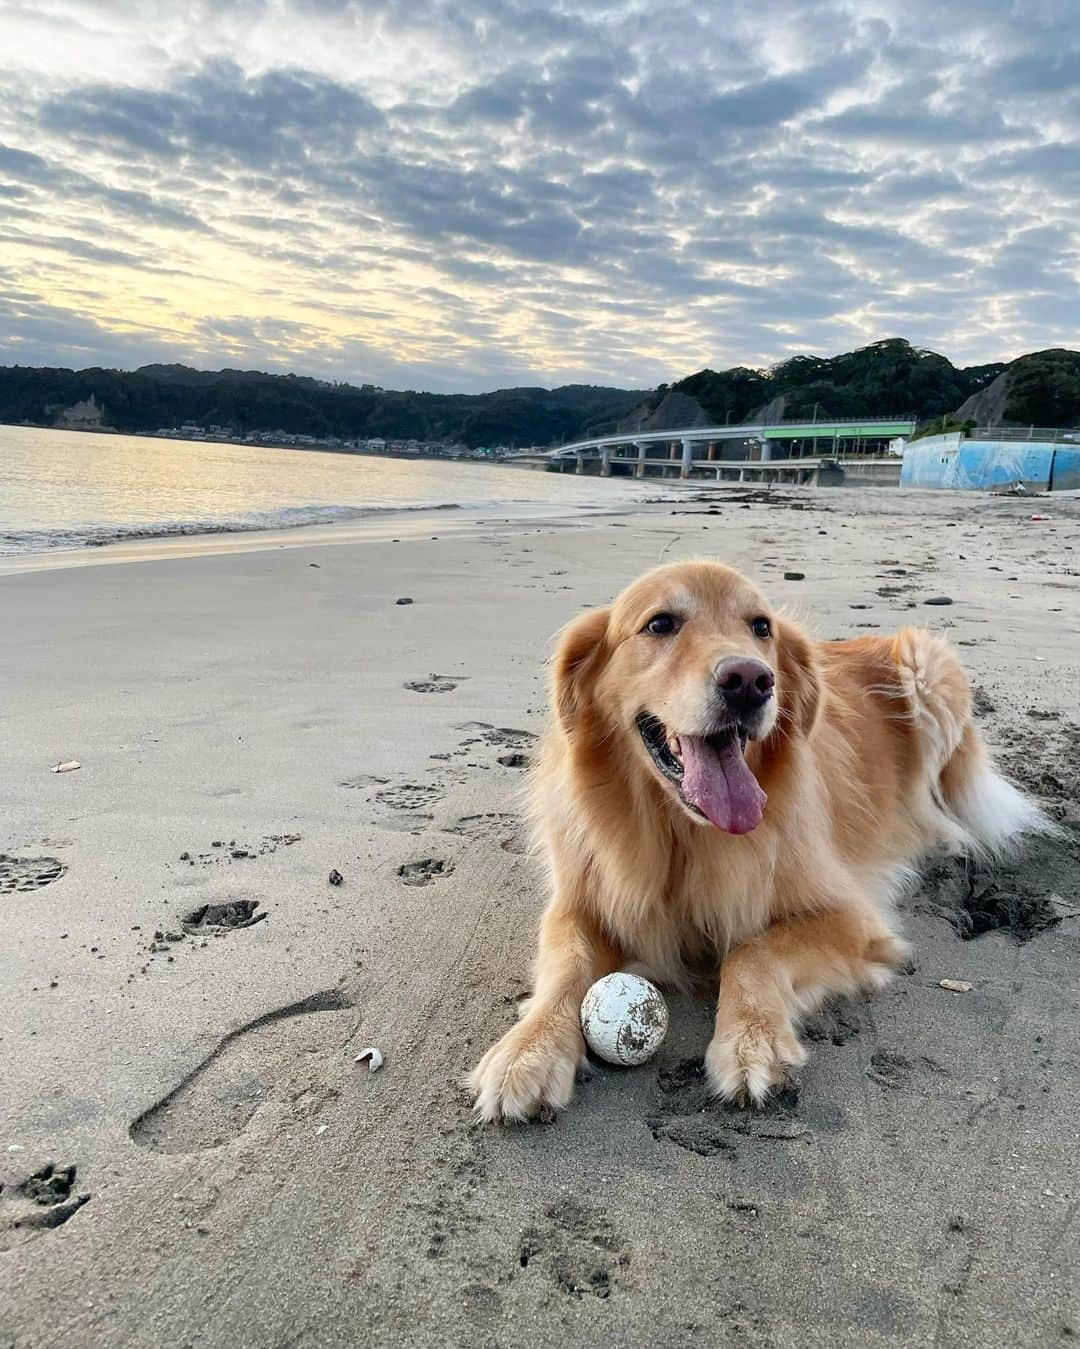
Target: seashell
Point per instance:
(374, 1057)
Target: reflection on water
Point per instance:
(67, 489)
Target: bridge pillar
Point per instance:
(580, 462)
(605, 462)
(687, 458)
(639, 469)
(766, 452)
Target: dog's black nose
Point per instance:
(745, 684)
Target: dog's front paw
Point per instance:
(750, 1053)
(530, 1070)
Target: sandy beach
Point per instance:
(252, 713)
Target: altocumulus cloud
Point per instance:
(488, 192)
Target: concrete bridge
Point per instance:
(778, 451)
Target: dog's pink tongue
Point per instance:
(719, 783)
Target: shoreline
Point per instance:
(64, 495)
(381, 524)
(390, 524)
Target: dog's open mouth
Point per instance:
(709, 773)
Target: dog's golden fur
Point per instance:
(869, 759)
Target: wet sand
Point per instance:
(185, 991)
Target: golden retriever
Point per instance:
(719, 792)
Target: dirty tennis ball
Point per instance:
(624, 1019)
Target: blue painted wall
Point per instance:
(951, 462)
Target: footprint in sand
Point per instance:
(687, 1116)
(404, 806)
(576, 1248)
(505, 829)
(509, 736)
(893, 1070)
(424, 871)
(837, 1022)
(435, 683)
(408, 796)
(219, 918)
(514, 760)
(275, 1059)
(44, 1200)
(22, 874)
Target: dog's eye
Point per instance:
(761, 627)
(662, 625)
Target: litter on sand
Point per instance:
(374, 1057)
(955, 985)
(68, 766)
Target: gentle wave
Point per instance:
(290, 517)
(73, 490)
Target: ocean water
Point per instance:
(70, 489)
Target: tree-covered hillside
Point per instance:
(1044, 389)
(888, 378)
(241, 400)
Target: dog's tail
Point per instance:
(984, 812)
(991, 810)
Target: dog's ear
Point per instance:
(800, 679)
(579, 657)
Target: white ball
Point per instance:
(624, 1019)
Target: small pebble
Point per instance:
(955, 985)
(336, 878)
(794, 576)
(404, 599)
(938, 599)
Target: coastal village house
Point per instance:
(83, 416)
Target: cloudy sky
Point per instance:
(463, 194)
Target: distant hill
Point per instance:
(887, 378)
(1040, 389)
(156, 396)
